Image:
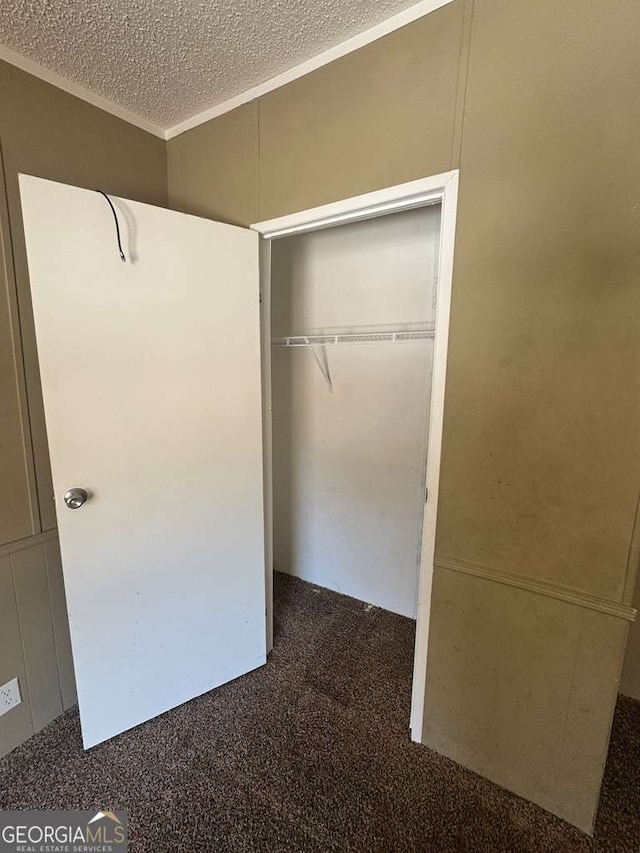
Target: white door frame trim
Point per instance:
(442, 189)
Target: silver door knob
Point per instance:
(75, 498)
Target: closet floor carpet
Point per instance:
(310, 753)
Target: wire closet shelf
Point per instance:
(354, 338)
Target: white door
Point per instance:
(151, 381)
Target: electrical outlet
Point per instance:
(9, 696)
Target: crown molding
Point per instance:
(37, 70)
(396, 22)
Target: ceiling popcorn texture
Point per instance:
(167, 60)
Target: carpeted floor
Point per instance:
(310, 753)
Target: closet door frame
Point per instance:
(438, 189)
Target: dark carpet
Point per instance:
(310, 753)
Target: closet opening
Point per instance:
(353, 360)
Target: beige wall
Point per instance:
(34, 637)
(535, 103)
(521, 688)
(48, 133)
(540, 473)
(216, 174)
(45, 132)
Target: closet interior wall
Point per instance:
(350, 419)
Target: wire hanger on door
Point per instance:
(115, 219)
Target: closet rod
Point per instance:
(370, 338)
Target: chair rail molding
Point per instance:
(28, 542)
(550, 590)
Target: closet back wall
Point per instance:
(348, 465)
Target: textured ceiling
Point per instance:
(167, 60)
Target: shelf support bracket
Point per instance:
(323, 364)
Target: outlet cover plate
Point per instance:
(9, 696)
